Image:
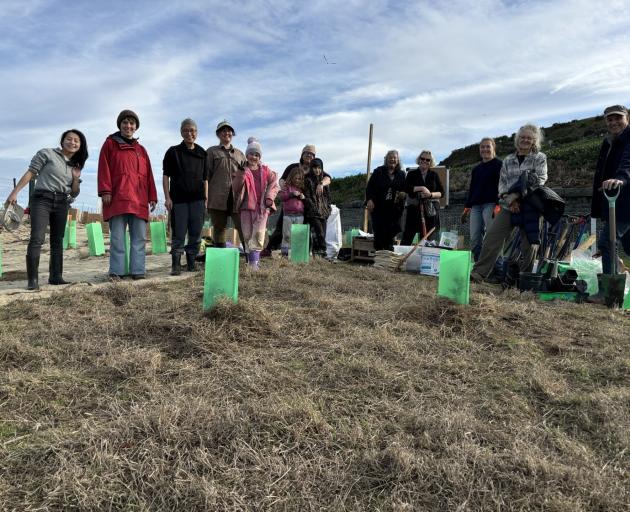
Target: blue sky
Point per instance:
(435, 75)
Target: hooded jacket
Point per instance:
(124, 171)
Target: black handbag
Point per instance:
(430, 208)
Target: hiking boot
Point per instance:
(191, 266)
(176, 264)
(32, 269)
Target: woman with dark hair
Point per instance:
(58, 173)
(385, 199)
(316, 205)
(424, 188)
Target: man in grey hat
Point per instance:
(223, 161)
(612, 171)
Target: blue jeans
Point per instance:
(603, 243)
(137, 235)
(187, 217)
(480, 219)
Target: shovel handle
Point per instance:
(612, 198)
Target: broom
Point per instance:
(389, 260)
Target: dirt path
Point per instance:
(79, 268)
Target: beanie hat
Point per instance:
(124, 115)
(317, 162)
(253, 146)
(309, 148)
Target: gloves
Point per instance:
(464, 217)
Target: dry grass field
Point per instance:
(327, 387)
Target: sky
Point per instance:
(434, 75)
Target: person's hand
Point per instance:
(319, 190)
(515, 207)
(12, 198)
(465, 214)
(611, 183)
(302, 197)
(400, 196)
(296, 193)
(370, 205)
(268, 202)
(424, 192)
(107, 199)
(152, 205)
(205, 203)
(76, 173)
(168, 203)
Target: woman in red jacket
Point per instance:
(127, 189)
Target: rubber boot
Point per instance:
(284, 251)
(190, 262)
(253, 258)
(176, 267)
(32, 269)
(55, 269)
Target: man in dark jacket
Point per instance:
(613, 170)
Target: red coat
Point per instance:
(124, 171)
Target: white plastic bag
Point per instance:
(334, 235)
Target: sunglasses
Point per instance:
(425, 159)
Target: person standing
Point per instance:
(612, 171)
(385, 196)
(224, 161)
(255, 188)
(482, 194)
(185, 183)
(424, 189)
(58, 173)
(127, 189)
(316, 206)
(527, 161)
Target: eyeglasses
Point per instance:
(425, 159)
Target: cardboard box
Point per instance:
(424, 260)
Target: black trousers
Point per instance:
(318, 234)
(275, 239)
(187, 217)
(413, 225)
(386, 225)
(47, 208)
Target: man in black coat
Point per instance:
(613, 170)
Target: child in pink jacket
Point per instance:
(255, 188)
(292, 195)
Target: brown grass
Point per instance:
(327, 387)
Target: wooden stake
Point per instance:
(367, 175)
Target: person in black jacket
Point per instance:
(316, 205)
(185, 184)
(384, 200)
(613, 170)
(424, 188)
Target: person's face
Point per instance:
(425, 161)
(225, 135)
(392, 160)
(486, 150)
(189, 134)
(128, 127)
(71, 143)
(307, 156)
(526, 141)
(253, 159)
(317, 170)
(616, 123)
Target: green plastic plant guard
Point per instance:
(300, 238)
(349, 235)
(127, 252)
(454, 277)
(71, 230)
(96, 244)
(66, 236)
(626, 301)
(158, 237)
(221, 276)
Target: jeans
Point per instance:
(603, 243)
(480, 219)
(47, 208)
(187, 217)
(137, 236)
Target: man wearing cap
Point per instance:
(308, 153)
(223, 162)
(612, 171)
(127, 189)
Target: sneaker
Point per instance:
(136, 277)
(114, 277)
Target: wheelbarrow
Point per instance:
(612, 285)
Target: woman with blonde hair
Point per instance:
(424, 189)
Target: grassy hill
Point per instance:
(571, 148)
(327, 387)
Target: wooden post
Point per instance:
(367, 175)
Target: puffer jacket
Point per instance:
(244, 188)
(124, 171)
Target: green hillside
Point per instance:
(571, 149)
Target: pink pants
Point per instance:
(254, 226)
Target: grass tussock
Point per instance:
(327, 387)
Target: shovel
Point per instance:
(613, 284)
